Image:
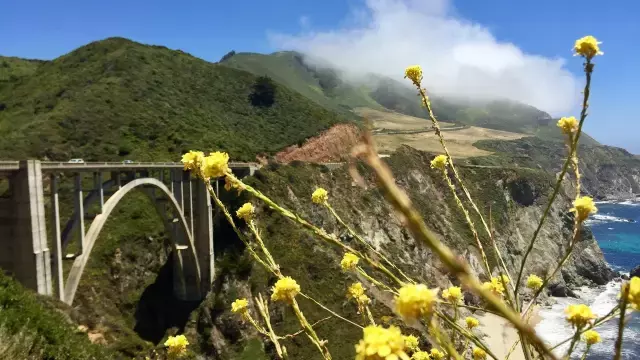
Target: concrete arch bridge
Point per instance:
(34, 254)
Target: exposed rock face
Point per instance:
(635, 272)
(331, 145)
(517, 199)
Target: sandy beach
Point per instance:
(501, 335)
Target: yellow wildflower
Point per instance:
(285, 289)
(246, 212)
(176, 346)
(439, 162)
(420, 355)
(634, 292)
(495, 286)
(452, 295)
(414, 73)
(534, 282)
(386, 319)
(437, 354)
(379, 343)
(579, 315)
(591, 337)
(479, 354)
(192, 160)
(239, 306)
(587, 47)
(349, 261)
(471, 322)
(569, 125)
(355, 290)
(320, 196)
(215, 165)
(583, 207)
(414, 301)
(411, 342)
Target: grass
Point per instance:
(116, 99)
(32, 327)
(460, 141)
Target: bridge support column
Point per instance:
(203, 235)
(184, 288)
(57, 240)
(79, 210)
(25, 253)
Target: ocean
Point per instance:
(616, 227)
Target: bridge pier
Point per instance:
(25, 252)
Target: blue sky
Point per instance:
(208, 29)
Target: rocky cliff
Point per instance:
(607, 172)
(516, 198)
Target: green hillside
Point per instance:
(12, 68)
(325, 86)
(117, 99)
(322, 85)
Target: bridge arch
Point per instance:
(184, 247)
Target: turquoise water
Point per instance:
(618, 238)
(617, 230)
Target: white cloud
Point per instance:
(458, 57)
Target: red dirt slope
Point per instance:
(332, 145)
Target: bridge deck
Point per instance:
(8, 166)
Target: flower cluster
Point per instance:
(579, 315)
(414, 301)
(215, 165)
(495, 286)
(320, 196)
(471, 322)
(379, 343)
(587, 47)
(285, 289)
(192, 160)
(414, 73)
(569, 125)
(212, 166)
(356, 292)
(437, 354)
(246, 212)
(349, 261)
(411, 342)
(583, 207)
(453, 295)
(591, 337)
(439, 162)
(479, 354)
(420, 355)
(534, 282)
(176, 346)
(239, 306)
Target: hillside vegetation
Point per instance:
(117, 99)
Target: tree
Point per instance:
(228, 55)
(264, 92)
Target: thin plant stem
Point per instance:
(366, 243)
(436, 125)
(415, 224)
(586, 351)
(623, 311)
(321, 233)
(311, 333)
(472, 227)
(574, 341)
(588, 69)
(610, 315)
